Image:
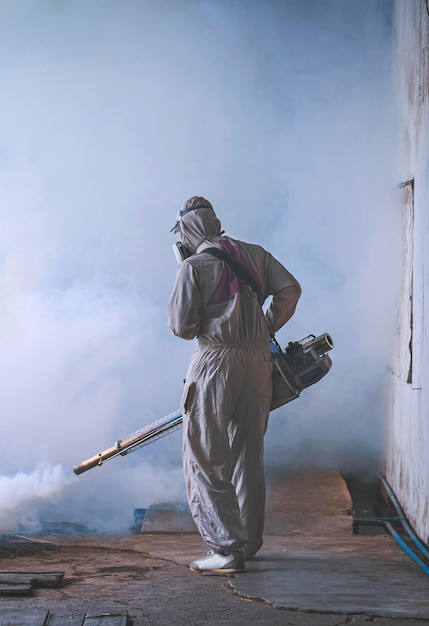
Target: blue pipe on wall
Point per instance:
(404, 522)
(403, 545)
(391, 496)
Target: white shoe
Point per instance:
(231, 563)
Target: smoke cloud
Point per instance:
(112, 114)
(18, 492)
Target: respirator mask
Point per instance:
(181, 252)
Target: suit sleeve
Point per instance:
(185, 302)
(285, 291)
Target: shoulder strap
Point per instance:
(238, 269)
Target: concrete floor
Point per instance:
(312, 561)
(312, 570)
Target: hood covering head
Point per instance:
(197, 222)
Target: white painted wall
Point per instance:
(407, 455)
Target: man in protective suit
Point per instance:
(227, 395)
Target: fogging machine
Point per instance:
(300, 365)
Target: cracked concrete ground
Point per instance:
(311, 571)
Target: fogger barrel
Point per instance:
(299, 365)
(137, 440)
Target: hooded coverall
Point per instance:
(227, 395)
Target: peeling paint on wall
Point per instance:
(403, 365)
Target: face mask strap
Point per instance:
(194, 208)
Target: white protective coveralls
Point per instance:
(227, 395)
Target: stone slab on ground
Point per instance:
(369, 575)
(312, 561)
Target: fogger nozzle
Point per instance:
(98, 459)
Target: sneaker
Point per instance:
(232, 563)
